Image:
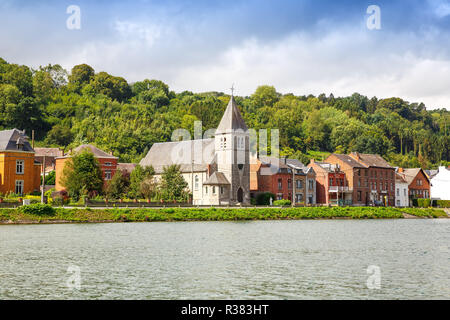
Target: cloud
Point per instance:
(441, 8)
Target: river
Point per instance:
(326, 259)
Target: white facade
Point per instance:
(401, 194)
(440, 185)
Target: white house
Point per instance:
(440, 185)
(217, 170)
(401, 191)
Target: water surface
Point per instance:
(227, 260)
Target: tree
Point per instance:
(82, 175)
(148, 187)
(173, 186)
(81, 74)
(118, 186)
(137, 177)
(59, 135)
(116, 88)
(265, 96)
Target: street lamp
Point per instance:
(293, 168)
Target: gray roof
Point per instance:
(10, 139)
(232, 119)
(410, 173)
(181, 153)
(371, 160)
(279, 165)
(217, 178)
(348, 160)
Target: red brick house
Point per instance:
(418, 182)
(108, 163)
(332, 188)
(50, 155)
(275, 176)
(371, 180)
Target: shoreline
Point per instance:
(77, 215)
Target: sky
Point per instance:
(298, 46)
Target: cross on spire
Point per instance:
(232, 89)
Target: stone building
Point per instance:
(217, 170)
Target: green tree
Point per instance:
(81, 74)
(173, 186)
(137, 177)
(118, 186)
(82, 175)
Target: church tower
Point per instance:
(232, 145)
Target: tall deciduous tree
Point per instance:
(82, 175)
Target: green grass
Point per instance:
(213, 214)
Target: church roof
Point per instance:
(181, 153)
(232, 119)
(217, 178)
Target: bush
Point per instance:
(443, 203)
(263, 199)
(282, 203)
(422, 203)
(38, 209)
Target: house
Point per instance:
(332, 187)
(126, 168)
(401, 191)
(19, 171)
(108, 163)
(50, 155)
(217, 170)
(440, 184)
(418, 182)
(371, 180)
(276, 176)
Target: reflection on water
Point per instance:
(227, 260)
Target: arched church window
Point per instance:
(196, 182)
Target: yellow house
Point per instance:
(19, 173)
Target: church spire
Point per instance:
(232, 119)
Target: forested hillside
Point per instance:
(85, 106)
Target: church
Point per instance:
(217, 170)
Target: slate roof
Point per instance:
(399, 178)
(9, 140)
(349, 160)
(410, 174)
(232, 119)
(48, 152)
(181, 153)
(98, 153)
(282, 165)
(126, 167)
(371, 160)
(217, 178)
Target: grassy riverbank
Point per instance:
(62, 215)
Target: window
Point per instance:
(280, 184)
(299, 184)
(398, 192)
(366, 183)
(196, 182)
(299, 197)
(289, 184)
(19, 187)
(108, 164)
(279, 197)
(107, 175)
(19, 167)
(392, 187)
(375, 185)
(359, 195)
(311, 184)
(359, 183)
(221, 190)
(206, 190)
(398, 202)
(419, 182)
(214, 190)
(331, 181)
(404, 192)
